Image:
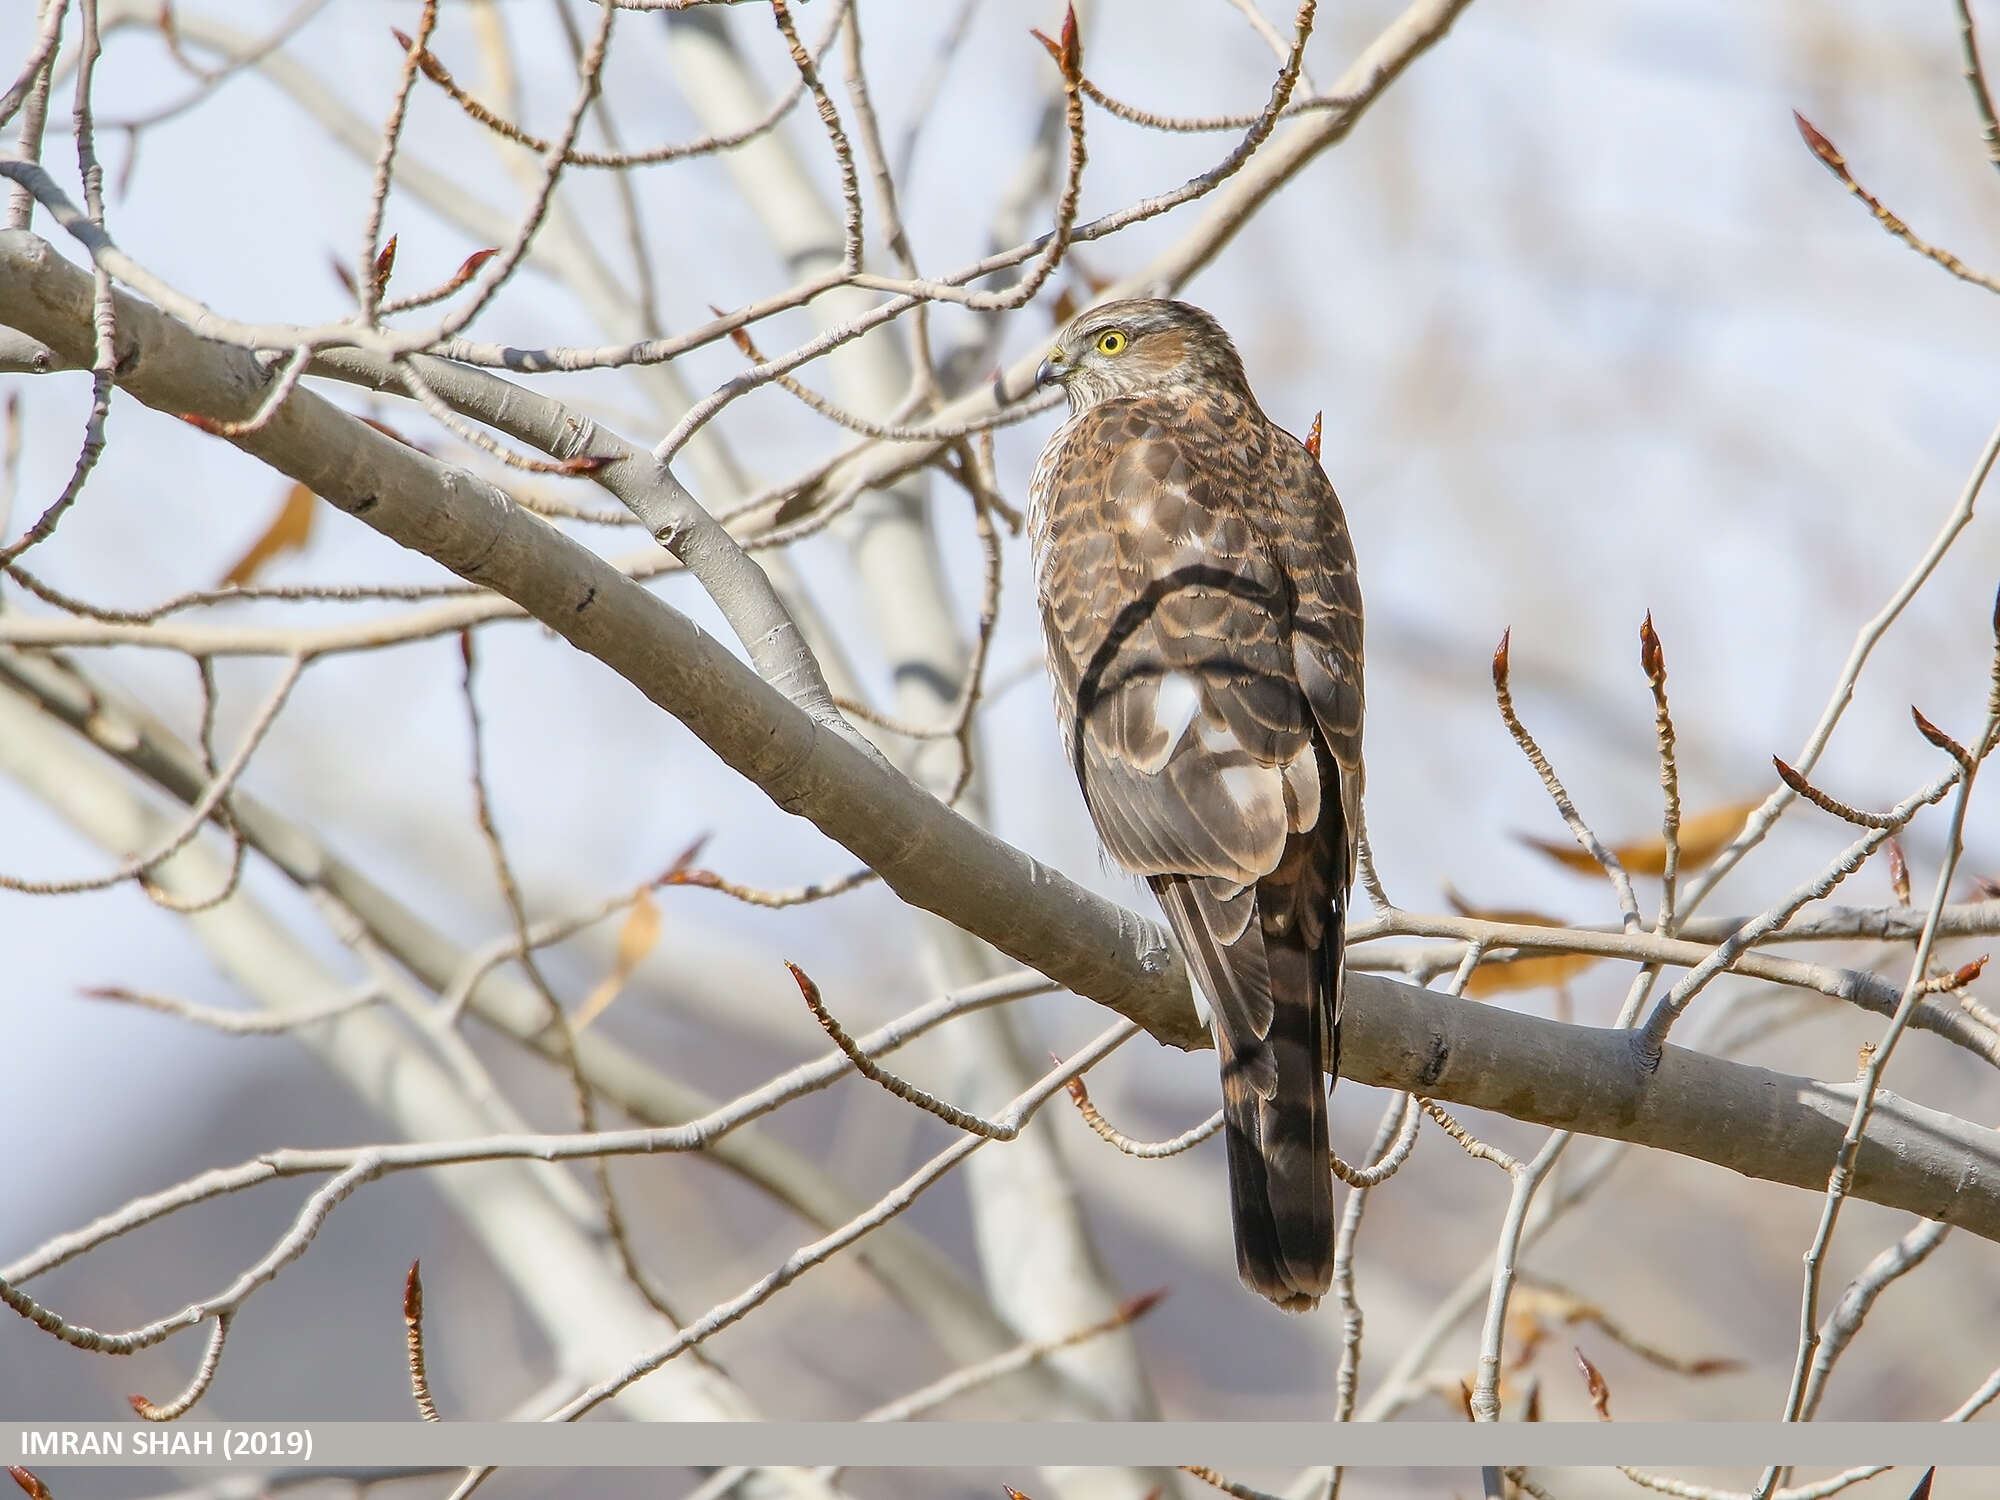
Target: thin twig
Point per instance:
(1865, 641)
(1975, 79)
(197, 815)
(1187, 1140)
(413, 1337)
(197, 1386)
(958, 1382)
(1653, 662)
(1840, 1178)
(908, 1092)
(1893, 1263)
(475, 108)
(1621, 883)
(367, 279)
(1830, 157)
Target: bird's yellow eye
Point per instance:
(1111, 341)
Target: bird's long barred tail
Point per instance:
(1280, 1173)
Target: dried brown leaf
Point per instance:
(1542, 970)
(635, 940)
(289, 531)
(1703, 836)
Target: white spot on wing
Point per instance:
(1244, 785)
(1302, 787)
(1175, 705)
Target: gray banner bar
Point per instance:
(974, 1445)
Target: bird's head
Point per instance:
(1138, 347)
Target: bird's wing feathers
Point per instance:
(1166, 614)
(1204, 632)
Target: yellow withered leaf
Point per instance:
(289, 531)
(1543, 970)
(635, 940)
(1703, 836)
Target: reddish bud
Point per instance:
(469, 267)
(432, 68)
(1652, 660)
(1593, 1379)
(29, 1482)
(1135, 1308)
(1966, 973)
(384, 264)
(345, 276)
(1899, 872)
(1938, 737)
(685, 858)
(1312, 437)
(413, 1295)
(1068, 51)
(586, 463)
(1500, 660)
(1821, 147)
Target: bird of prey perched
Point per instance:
(1203, 626)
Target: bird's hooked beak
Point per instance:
(1051, 369)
